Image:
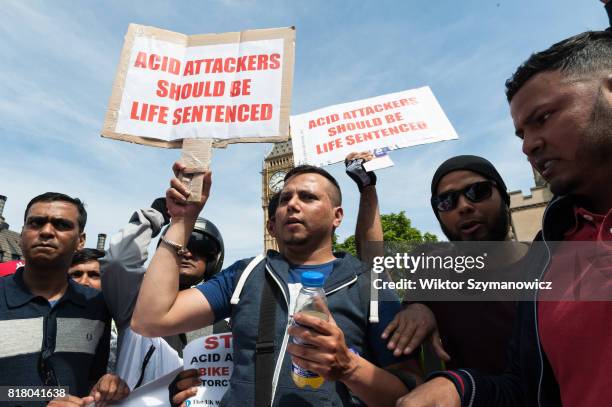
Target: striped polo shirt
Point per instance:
(66, 344)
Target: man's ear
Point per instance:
(270, 227)
(338, 216)
(607, 85)
(81, 242)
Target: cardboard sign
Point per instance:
(231, 87)
(396, 120)
(212, 356)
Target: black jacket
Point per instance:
(528, 379)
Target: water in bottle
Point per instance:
(310, 300)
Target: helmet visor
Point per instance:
(203, 245)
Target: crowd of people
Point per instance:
(103, 324)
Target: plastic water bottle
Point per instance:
(310, 300)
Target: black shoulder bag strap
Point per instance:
(145, 362)
(264, 348)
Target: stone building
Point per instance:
(276, 164)
(9, 240)
(526, 211)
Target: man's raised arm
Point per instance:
(369, 226)
(162, 310)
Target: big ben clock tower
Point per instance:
(275, 166)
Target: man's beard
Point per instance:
(598, 134)
(190, 275)
(596, 146)
(295, 241)
(187, 281)
(498, 233)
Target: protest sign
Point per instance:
(392, 121)
(212, 356)
(152, 394)
(230, 87)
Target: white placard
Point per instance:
(378, 163)
(212, 356)
(233, 86)
(395, 120)
(152, 394)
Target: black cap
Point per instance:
(470, 163)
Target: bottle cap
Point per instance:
(312, 279)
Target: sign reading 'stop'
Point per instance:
(230, 87)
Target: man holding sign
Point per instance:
(348, 349)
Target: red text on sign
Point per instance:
(242, 87)
(322, 121)
(155, 62)
(329, 146)
(149, 113)
(214, 371)
(189, 90)
(395, 117)
(230, 65)
(379, 107)
(213, 342)
(222, 113)
(385, 132)
(352, 126)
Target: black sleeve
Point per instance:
(609, 11)
(504, 390)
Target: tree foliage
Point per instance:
(397, 227)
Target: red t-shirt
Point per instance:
(575, 318)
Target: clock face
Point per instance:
(277, 181)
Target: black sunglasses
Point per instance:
(203, 246)
(476, 192)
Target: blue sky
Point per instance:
(58, 62)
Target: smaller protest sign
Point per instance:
(381, 160)
(392, 121)
(212, 356)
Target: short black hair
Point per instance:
(58, 196)
(85, 255)
(311, 169)
(582, 54)
(273, 205)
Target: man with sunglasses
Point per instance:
(471, 202)
(142, 359)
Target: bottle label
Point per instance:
(307, 374)
(305, 378)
